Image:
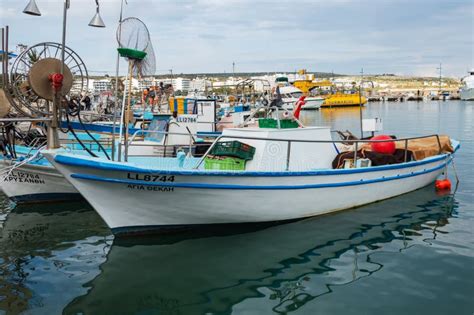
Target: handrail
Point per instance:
(161, 144)
(331, 141)
(161, 132)
(355, 142)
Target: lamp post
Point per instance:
(360, 104)
(32, 9)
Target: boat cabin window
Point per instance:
(296, 94)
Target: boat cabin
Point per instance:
(279, 149)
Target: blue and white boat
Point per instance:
(34, 181)
(28, 180)
(289, 177)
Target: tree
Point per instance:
(33, 56)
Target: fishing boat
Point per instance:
(35, 181)
(30, 178)
(290, 96)
(327, 91)
(467, 90)
(288, 176)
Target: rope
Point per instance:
(74, 110)
(6, 172)
(455, 174)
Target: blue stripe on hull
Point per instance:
(95, 127)
(50, 197)
(254, 187)
(71, 161)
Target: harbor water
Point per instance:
(413, 254)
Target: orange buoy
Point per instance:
(443, 184)
(383, 147)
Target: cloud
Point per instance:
(401, 36)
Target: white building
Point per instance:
(199, 85)
(181, 84)
(135, 85)
(99, 86)
(145, 83)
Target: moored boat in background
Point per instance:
(290, 96)
(467, 90)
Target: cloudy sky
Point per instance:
(407, 37)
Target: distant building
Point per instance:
(99, 86)
(135, 85)
(199, 85)
(145, 83)
(77, 88)
(181, 84)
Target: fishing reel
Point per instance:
(31, 84)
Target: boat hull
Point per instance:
(341, 100)
(467, 94)
(312, 103)
(35, 183)
(131, 199)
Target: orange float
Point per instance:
(383, 147)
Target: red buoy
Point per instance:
(443, 184)
(383, 147)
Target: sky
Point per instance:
(403, 37)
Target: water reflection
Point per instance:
(46, 253)
(286, 265)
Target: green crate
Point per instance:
(224, 163)
(288, 123)
(234, 148)
(273, 123)
(267, 123)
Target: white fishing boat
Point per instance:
(290, 96)
(290, 177)
(36, 181)
(467, 89)
(31, 178)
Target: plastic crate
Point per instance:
(235, 149)
(288, 123)
(224, 163)
(267, 123)
(273, 123)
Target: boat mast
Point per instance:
(440, 77)
(116, 87)
(360, 102)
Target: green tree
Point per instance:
(33, 56)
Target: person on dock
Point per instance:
(87, 102)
